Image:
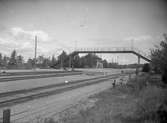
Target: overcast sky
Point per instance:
(61, 24)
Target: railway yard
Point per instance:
(31, 95)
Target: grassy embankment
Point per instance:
(141, 100)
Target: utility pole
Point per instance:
(117, 59)
(35, 55)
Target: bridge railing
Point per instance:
(104, 49)
(113, 49)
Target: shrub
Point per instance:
(146, 68)
(164, 76)
(150, 100)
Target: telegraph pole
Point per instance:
(35, 55)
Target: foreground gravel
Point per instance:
(52, 105)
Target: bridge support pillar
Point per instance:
(70, 59)
(138, 65)
(138, 60)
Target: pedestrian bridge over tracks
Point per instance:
(135, 51)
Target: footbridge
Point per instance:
(135, 51)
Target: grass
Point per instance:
(141, 100)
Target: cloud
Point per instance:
(23, 41)
(138, 38)
(19, 32)
(143, 42)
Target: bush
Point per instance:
(151, 102)
(146, 68)
(164, 76)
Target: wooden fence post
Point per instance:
(6, 116)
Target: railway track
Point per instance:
(36, 76)
(33, 73)
(20, 96)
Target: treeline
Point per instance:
(15, 61)
(64, 60)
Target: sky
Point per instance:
(69, 24)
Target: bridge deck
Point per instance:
(114, 50)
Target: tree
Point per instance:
(105, 64)
(63, 59)
(1, 60)
(77, 61)
(40, 60)
(159, 59)
(5, 61)
(46, 63)
(12, 60)
(19, 61)
(158, 55)
(53, 61)
(30, 63)
(90, 60)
